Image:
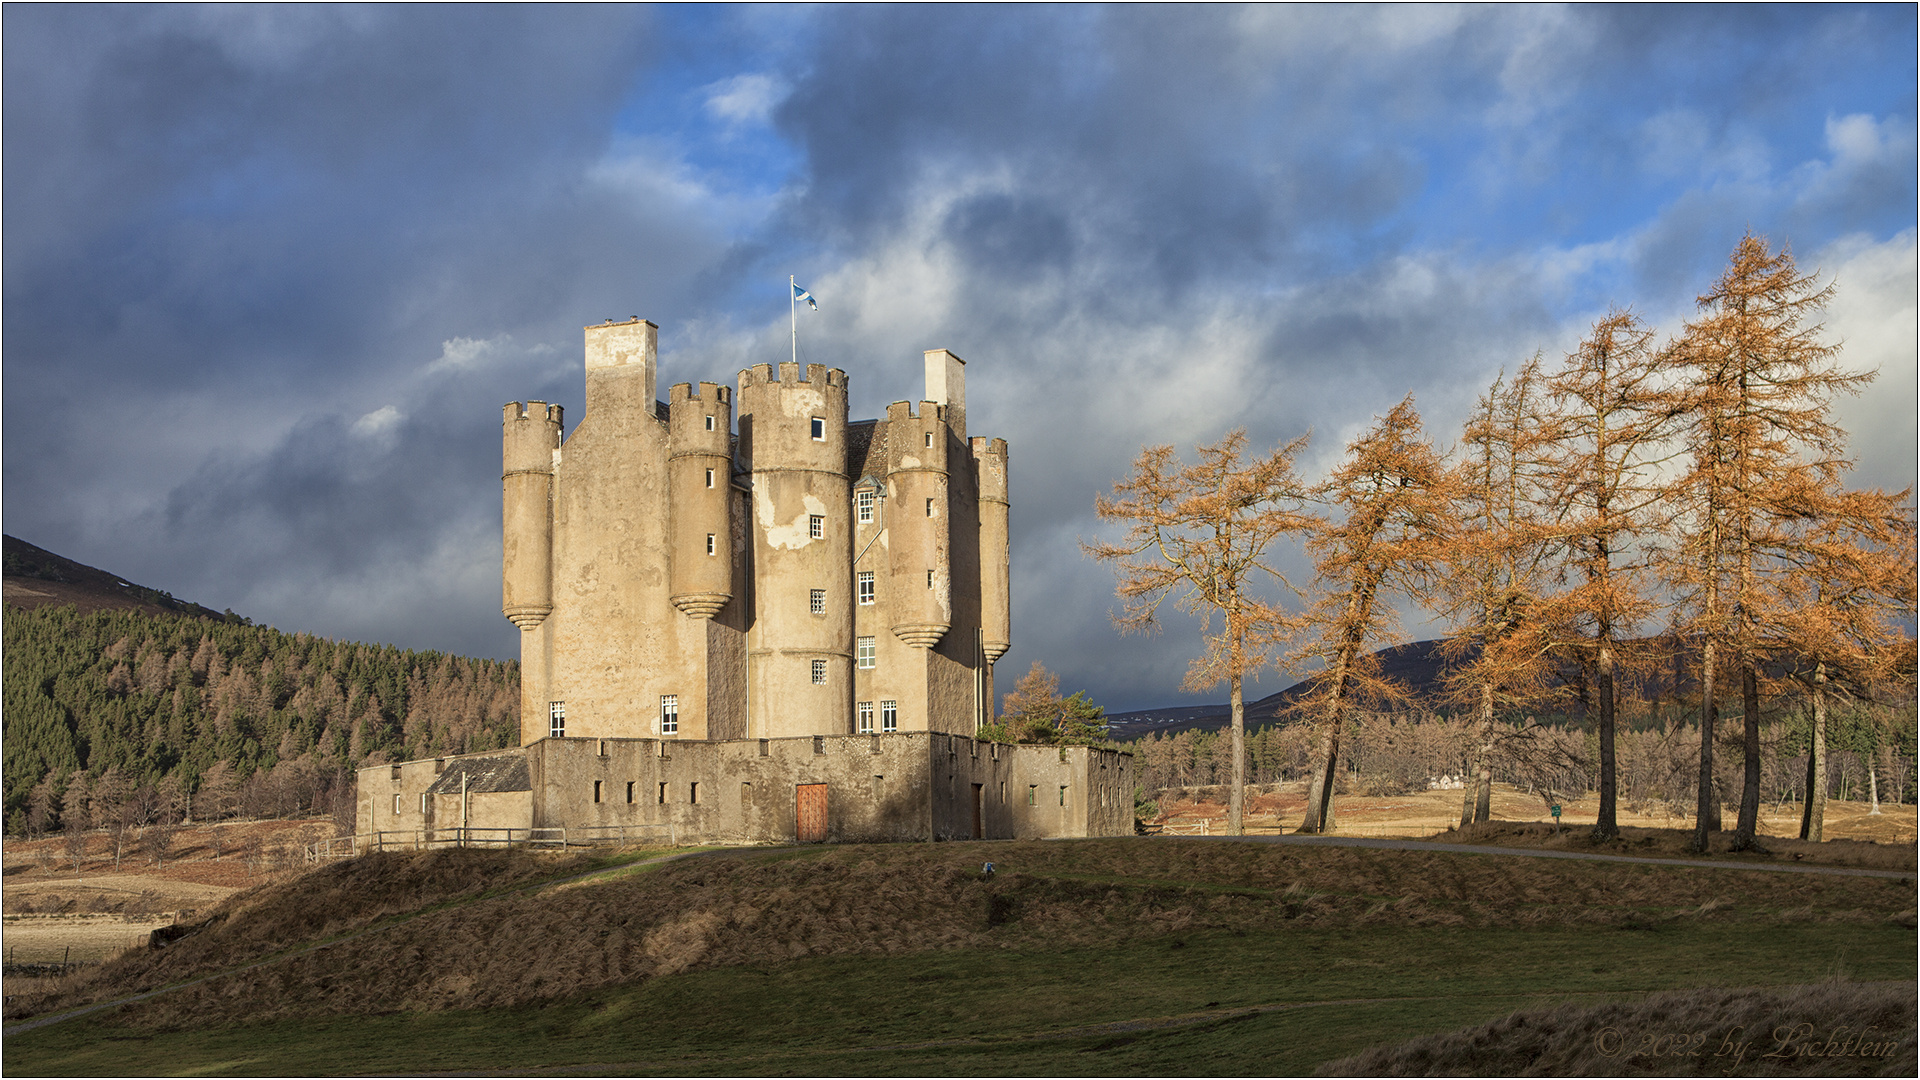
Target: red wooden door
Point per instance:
(810, 814)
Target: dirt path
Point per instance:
(1539, 853)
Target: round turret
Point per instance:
(990, 464)
(917, 528)
(700, 483)
(529, 437)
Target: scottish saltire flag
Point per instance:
(802, 294)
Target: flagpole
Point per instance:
(793, 315)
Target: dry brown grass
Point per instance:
(1673, 844)
(458, 950)
(1829, 1029)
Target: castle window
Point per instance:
(929, 438)
(396, 774)
(817, 601)
(819, 429)
(929, 507)
(1003, 793)
(709, 428)
(629, 793)
(819, 744)
(424, 804)
(863, 652)
(396, 806)
(557, 719)
(889, 716)
(709, 543)
(863, 718)
(929, 579)
(816, 526)
(863, 502)
(596, 791)
(663, 794)
(819, 673)
(1033, 794)
(866, 586)
(709, 477)
(1063, 794)
(669, 714)
(693, 792)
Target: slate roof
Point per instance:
(493, 772)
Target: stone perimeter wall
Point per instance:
(906, 786)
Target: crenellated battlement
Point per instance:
(792, 374)
(706, 391)
(902, 411)
(535, 410)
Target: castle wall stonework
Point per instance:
(737, 600)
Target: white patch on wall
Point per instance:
(792, 536)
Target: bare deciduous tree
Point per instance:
(1200, 533)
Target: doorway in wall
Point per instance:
(810, 814)
(979, 811)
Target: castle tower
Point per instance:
(793, 442)
(919, 570)
(699, 498)
(996, 630)
(529, 443)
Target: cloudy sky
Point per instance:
(270, 272)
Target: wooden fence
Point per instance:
(348, 847)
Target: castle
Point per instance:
(744, 618)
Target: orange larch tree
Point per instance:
(1389, 508)
(1757, 384)
(1201, 534)
(1614, 418)
(1496, 568)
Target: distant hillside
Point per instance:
(37, 578)
(1417, 664)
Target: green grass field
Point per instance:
(1236, 976)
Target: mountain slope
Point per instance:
(37, 578)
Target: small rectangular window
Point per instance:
(709, 428)
(603, 748)
(816, 526)
(396, 773)
(557, 719)
(710, 544)
(1033, 794)
(889, 716)
(1003, 793)
(669, 714)
(863, 718)
(819, 429)
(693, 792)
(866, 586)
(863, 651)
(663, 794)
(629, 793)
(596, 791)
(424, 804)
(929, 507)
(929, 579)
(1063, 794)
(817, 601)
(396, 806)
(863, 503)
(819, 673)
(709, 477)
(929, 438)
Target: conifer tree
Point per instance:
(1388, 513)
(1200, 533)
(1613, 417)
(1757, 387)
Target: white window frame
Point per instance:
(817, 601)
(669, 714)
(709, 428)
(556, 719)
(863, 718)
(929, 507)
(864, 653)
(889, 716)
(816, 527)
(712, 545)
(864, 582)
(863, 505)
(819, 672)
(819, 429)
(709, 478)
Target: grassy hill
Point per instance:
(37, 578)
(1099, 956)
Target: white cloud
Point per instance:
(381, 421)
(1873, 314)
(745, 99)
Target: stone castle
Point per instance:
(744, 617)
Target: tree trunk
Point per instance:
(1236, 799)
(1813, 815)
(1706, 816)
(1873, 785)
(1748, 826)
(1606, 826)
(1320, 783)
(1476, 787)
